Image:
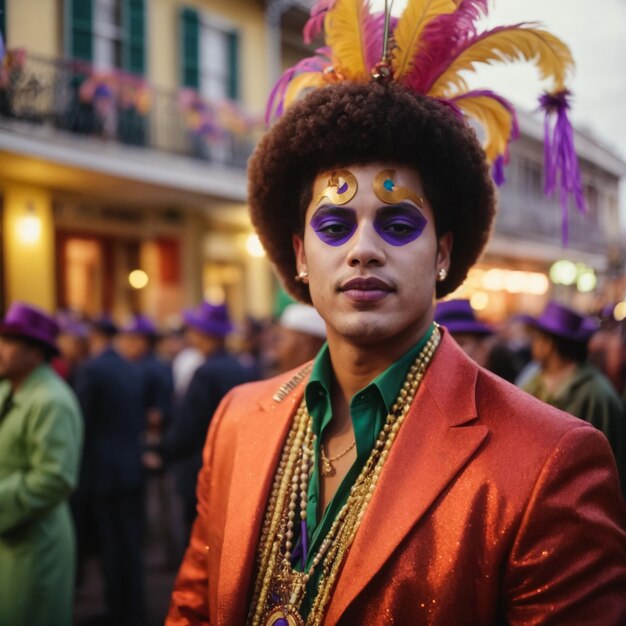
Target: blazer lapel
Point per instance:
(258, 450)
(430, 450)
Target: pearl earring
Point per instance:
(442, 274)
(302, 277)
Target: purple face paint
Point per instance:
(399, 225)
(334, 225)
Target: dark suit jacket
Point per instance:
(110, 394)
(185, 439)
(493, 508)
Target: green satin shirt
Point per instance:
(368, 410)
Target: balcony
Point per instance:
(121, 109)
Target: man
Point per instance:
(476, 338)
(297, 337)
(110, 494)
(567, 381)
(391, 480)
(207, 328)
(40, 444)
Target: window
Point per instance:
(530, 178)
(217, 65)
(108, 34)
(210, 55)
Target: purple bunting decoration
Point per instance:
(560, 161)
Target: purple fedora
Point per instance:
(459, 317)
(31, 322)
(140, 325)
(559, 320)
(210, 319)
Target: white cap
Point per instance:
(303, 318)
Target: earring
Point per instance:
(442, 274)
(302, 277)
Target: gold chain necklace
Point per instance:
(279, 589)
(327, 462)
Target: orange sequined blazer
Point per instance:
(492, 508)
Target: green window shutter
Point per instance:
(3, 21)
(233, 65)
(190, 48)
(81, 29)
(135, 43)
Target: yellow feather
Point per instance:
(495, 119)
(407, 34)
(299, 85)
(343, 34)
(551, 56)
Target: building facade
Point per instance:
(125, 127)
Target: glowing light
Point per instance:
(254, 247)
(563, 272)
(494, 279)
(515, 282)
(138, 279)
(479, 301)
(538, 284)
(587, 281)
(29, 227)
(215, 294)
(619, 312)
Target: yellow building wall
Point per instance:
(34, 25)
(247, 16)
(28, 256)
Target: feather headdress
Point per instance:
(427, 49)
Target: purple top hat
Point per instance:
(210, 319)
(559, 320)
(459, 317)
(31, 322)
(141, 325)
(104, 323)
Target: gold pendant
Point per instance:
(283, 615)
(327, 468)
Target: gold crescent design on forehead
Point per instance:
(386, 190)
(342, 186)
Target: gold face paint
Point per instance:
(386, 190)
(342, 187)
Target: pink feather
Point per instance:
(442, 40)
(315, 23)
(372, 32)
(276, 100)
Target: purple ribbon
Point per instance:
(560, 161)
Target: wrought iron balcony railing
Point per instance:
(73, 97)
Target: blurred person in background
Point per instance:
(40, 442)
(606, 348)
(207, 328)
(73, 346)
(182, 358)
(137, 341)
(297, 338)
(565, 379)
(109, 502)
(477, 339)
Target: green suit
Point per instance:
(40, 446)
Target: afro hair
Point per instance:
(355, 124)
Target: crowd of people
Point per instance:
(143, 399)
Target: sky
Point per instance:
(596, 33)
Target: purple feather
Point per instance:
(372, 33)
(561, 164)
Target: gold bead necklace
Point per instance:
(279, 589)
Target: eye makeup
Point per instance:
(334, 225)
(396, 225)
